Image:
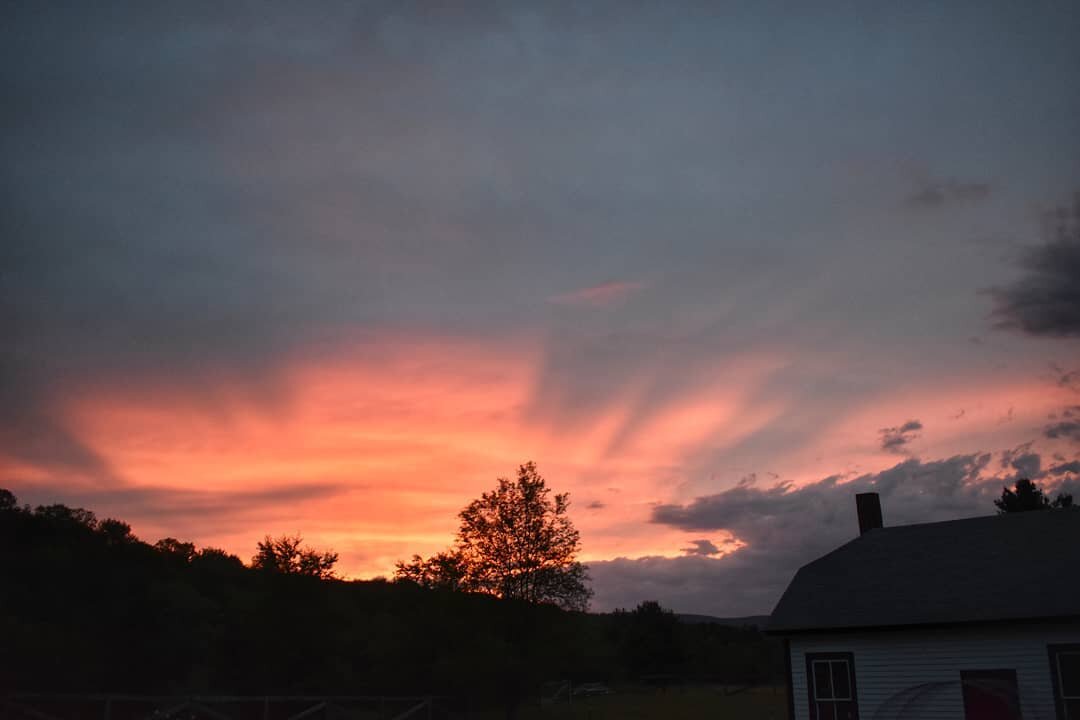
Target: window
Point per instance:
(990, 694)
(1065, 676)
(830, 679)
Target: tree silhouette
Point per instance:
(515, 542)
(285, 555)
(651, 643)
(115, 532)
(182, 552)
(1026, 496)
(444, 570)
(216, 561)
(86, 607)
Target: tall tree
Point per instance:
(1026, 496)
(285, 555)
(515, 542)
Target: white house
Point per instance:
(976, 619)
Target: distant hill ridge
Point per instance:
(759, 621)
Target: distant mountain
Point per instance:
(758, 620)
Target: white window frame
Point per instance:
(832, 685)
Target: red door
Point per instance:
(990, 695)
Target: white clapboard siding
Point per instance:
(916, 673)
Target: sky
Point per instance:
(334, 268)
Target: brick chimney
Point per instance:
(868, 506)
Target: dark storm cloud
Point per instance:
(786, 527)
(1065, 468)
(1046, 299)
(950, 192)
(1064, 429)
(1067, 428)
(894, 439)
(914, 491)
(1066, 378)
(1023, 461)
(701, 547)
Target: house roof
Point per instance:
(1020, 566)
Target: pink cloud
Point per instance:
(604, 295)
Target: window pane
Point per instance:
(1069, 674)
(1072, 710)
(840, 681)
(822, 683)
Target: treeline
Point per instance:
(85, 606)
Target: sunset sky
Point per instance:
(333, 268)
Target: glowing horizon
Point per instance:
(391, 445)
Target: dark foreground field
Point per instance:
(625, 702)
(681, 704)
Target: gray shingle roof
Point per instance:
(1002, 567)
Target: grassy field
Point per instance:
(626, 703)
(675, 704)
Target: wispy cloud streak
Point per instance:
(605, 295)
